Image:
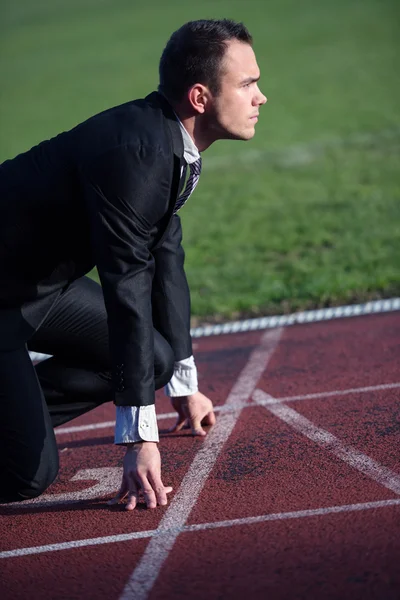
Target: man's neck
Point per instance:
(195, 126)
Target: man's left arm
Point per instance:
(171, 317)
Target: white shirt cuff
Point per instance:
(136, 424)
(184, 380)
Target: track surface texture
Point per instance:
(294, 494)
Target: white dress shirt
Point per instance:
(139, 423)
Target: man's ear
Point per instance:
(199, 96)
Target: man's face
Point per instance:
(233, 113)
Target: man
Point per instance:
(107, 193)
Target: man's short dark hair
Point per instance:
(194, 54)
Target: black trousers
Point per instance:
(35, 399)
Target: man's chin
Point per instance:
(244, 136)
(247, 135)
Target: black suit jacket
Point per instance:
(100, 194)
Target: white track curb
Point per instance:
(308, 316)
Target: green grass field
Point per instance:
(307, 213)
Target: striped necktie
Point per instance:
(195, 170)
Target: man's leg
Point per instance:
(72, 382)
(77, 378)
(28, 450)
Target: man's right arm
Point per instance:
(126, 191)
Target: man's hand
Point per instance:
(195, 410)
(142, 471)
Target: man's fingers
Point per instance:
(209, 419)
(180, 424)
(179, 408)
(133, 495)
(132, 501)
(148, 492)
(126, 488)
(195, 423)
(160, 490)
(123, 490)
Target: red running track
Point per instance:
(301, 498)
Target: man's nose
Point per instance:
(263, 99)
(260, 98)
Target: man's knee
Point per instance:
(164, 365)
(17, 487)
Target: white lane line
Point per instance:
(361, 390)
(108, 539)
(78, 428)
(172, 415)
(146, 572)
(298, 514)
(356, 459)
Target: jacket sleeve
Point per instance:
(126, 192)
(171, 296)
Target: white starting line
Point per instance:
(136, 535)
